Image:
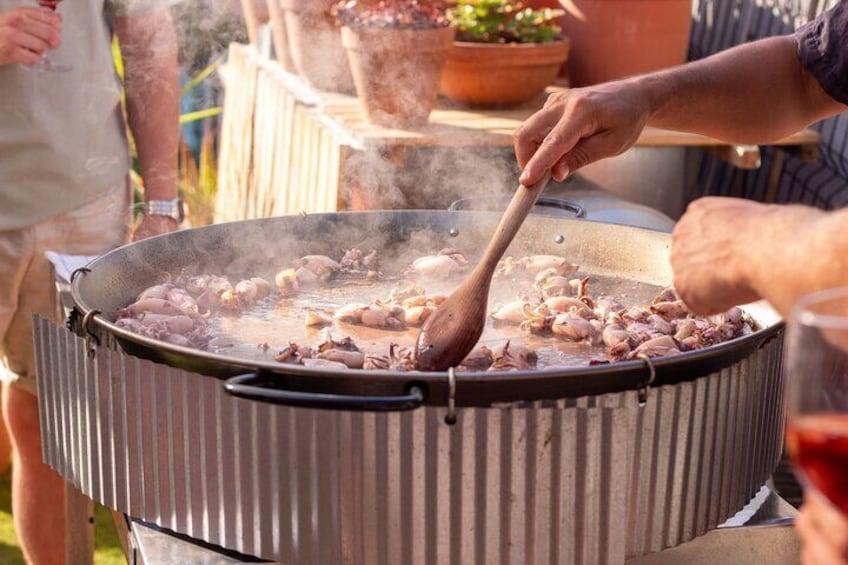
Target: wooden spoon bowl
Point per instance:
(453, 329)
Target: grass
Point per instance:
(107, 547)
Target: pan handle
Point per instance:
(247, 386)
(544, 201)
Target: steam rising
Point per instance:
(433, 178)
(420, 177)
(204, 29)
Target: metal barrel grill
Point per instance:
(579, 465)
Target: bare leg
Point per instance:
(38, 492)
(5, 448)
(5, 438)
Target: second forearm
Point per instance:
(802, 250)
(152, 87)
(754, 93)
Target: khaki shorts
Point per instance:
(27, 285)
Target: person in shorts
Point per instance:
(64, 166)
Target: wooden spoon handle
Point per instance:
(522, 202)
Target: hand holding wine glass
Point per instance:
(26, 33)
(817, 403)
(46, 64)
(823, 531)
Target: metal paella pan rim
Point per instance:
(472, 389)
(497, 386)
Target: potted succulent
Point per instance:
(505, 54)
(396, 50)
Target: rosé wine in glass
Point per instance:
(816, 369)
(818, 445)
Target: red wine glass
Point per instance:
(46, 64)
(817, 394)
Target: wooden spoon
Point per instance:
(452, 330)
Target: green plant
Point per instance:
(503, 21)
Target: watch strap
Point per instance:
(172, 208)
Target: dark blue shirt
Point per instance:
(823, 49)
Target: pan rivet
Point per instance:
(453, 232)
(559, 239)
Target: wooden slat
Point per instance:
(320, 169)
(297, 159)
(280, 126)
(265, 127)
(344, 196)
(313, 164)
(314, 181)
(284, 155)
(331, 194)
(325, 178)
(235, 165)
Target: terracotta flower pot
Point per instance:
(396, 71)
(315, 45)
(493, 75)
(612, 39)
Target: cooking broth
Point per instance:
(260, 333)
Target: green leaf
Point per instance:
(200, 115)
(201, 76)
(503, 21)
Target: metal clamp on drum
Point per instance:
(645, 384)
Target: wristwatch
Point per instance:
(172, 208)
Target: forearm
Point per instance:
(795, 251)
(149, 49)
(754, 93)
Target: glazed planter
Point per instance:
(315, 45)
(612, 39)
(491, 75)
(397, 71)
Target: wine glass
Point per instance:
(46, 64)
(816, 366)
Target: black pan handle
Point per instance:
(246, 386)
(544, 201)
